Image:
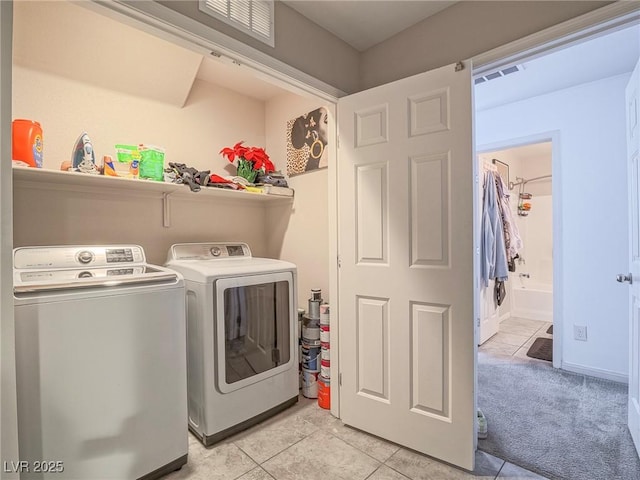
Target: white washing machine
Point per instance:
(242, 336)
(100, 364)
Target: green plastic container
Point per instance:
(151, 162)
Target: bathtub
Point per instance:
(532, 300)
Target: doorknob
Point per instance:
(621, 277)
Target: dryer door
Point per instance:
(255, 328)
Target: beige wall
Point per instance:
(460, 32)
(299, 43)
(213, 117)
(48, 215)
(69, 40)
(300, 234)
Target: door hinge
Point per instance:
(339, 262)
(478, 322)
(459, 67)
(340, 379)
(338, 141)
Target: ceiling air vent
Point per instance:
(498, 73)
(253, 17)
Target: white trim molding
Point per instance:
(595, 372)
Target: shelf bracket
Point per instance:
(166, 209)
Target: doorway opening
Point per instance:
(512, 323)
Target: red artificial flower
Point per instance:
(256, 155)
(231, 153)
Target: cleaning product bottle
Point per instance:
(134, 168)
(108, 169)
(27, 142)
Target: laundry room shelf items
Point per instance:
(36, 178)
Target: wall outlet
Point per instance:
(580, 332)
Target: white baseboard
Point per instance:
(504, 317)
(533, 314)
(595, 372)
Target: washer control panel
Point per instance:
(77, 256)
(119, 255)
(62, 275)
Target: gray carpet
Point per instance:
(557, 424)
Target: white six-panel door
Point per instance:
(633, 155)
(405, 189)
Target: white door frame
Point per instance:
(556, 193)
(9, 420)
(632, 97)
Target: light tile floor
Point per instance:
(515, 337)
(306, 442)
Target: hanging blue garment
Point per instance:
(493, 254)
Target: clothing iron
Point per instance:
(83, 158)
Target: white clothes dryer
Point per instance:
(241, 336)
(100, 364)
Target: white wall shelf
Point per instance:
(55, 179)
(25, 177)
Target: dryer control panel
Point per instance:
(208, 251)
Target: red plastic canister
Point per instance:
(27, 142)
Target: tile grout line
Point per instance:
(359, 449)
(281, 451)
(233, 442)
(258, 466)
(397, 471)
(504, 462)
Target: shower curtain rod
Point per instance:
(522, 181)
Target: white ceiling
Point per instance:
(364, 23)
(602, 57)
